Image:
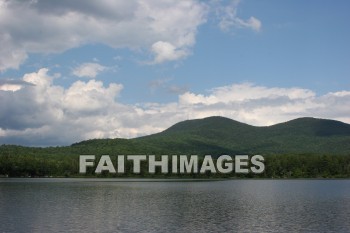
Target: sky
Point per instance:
(74, 70)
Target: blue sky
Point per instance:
(137, 67)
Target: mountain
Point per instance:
(219, 135)
(307, 147)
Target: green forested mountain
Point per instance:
(304, 147)
(219, 135)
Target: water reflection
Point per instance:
(222, 206)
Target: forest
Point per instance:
(301, 148)
(15, 161)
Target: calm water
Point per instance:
(75, 205)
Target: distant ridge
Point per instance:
(300, 148)
(220, 135)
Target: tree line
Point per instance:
(17, 161)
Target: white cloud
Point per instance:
(88, 70)
(165, 51)
(50, 114)
(165, 28)
(90, 96)
(237, 93)
(12, 84)
(42, 113)
(10, 55)
(10, 87)
(256, 105)
(228, 18)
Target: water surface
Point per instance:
(107, 205)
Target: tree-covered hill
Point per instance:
(304, 147)
(217, 135)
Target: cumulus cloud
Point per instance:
(166, 29)
(256, 105)
(10, 55)
(12, 84)
(244, 92)
(42, 113)
(165, 51)
(88, 70)
(228, 18)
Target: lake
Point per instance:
(116, 205)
